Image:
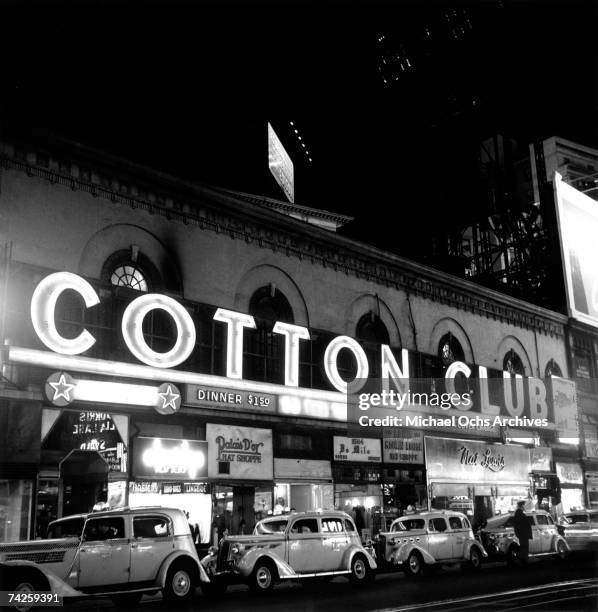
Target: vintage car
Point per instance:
(581, 530)
(429, 539)
(295, 546)
(499, 539)
(122, 553)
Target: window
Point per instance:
(295, 442)
(450, 350)
(455, 522)
(542, 519)
(512, 363)
(304, 526)
(151, 527)
(408, 525)
(552, 369)
(129, 275)
(71, 528)
(271, 527)
(437, 524)
(350, 527)
(332, 526)
(263, 349)
(107, 528)
(371, 333)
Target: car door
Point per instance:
(334, 543)
(151, 542)
(439, 539)
(459, 536)
(535, 544)
(104, 554)
(546, 532)
(306, 551)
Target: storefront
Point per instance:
(570, 475)
(592, 489)
(83, 462)
(302, 485)
(404, 482)
(241, 471)
(357, 473)
(476, 478)
(173, 473)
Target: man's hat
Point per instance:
(521, 502)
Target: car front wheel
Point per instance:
(179, 584)
(262, 578)
(561, 550)
(414, 566)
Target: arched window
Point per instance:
(264, 350)
(129, 275)
(371, 333)
(449, 350)
(552, 369)
(512, 363)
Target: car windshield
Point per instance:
(69, 528)
(266, 527)
(409, 524)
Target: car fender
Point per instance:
(350, 553)
(556, 539)
(406, 549)
(57, 585)
(174, 556)
(247, 562)
(474, 544)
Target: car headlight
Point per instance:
(236, 549)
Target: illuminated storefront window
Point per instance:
(15, 509)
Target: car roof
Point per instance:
(118, 511)
(432, 514)
(308, 514)
(68, 518)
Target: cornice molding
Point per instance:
(215, 211)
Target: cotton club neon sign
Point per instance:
(47, 292)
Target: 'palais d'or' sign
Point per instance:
(292, 400)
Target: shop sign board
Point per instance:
(229, 399)
(566, 414)
(302, 469)
(364, 450)
(578, 227)
(239, 453)
(169, 459)
(540, 458)
(569, 473)
(453, 460)
(280, 164)
(406, 446)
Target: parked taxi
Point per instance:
(499, 539)
(429, 539)
(121, 553)
(581, 530)
(295, 546)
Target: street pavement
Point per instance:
(547, 584)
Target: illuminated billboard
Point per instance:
(578, 228)
(280, 165)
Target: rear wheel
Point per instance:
(475, 559)
(29, 583)
(263, 577)
(360, 570)
(561, 550)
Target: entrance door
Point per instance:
(104, 554)
(243, 518)
(83, 481)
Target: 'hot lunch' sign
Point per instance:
(239, 452)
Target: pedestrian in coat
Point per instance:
(523, 531)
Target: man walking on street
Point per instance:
(523, 531)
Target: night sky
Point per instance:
(188, 87)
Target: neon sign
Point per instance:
(529, 395)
